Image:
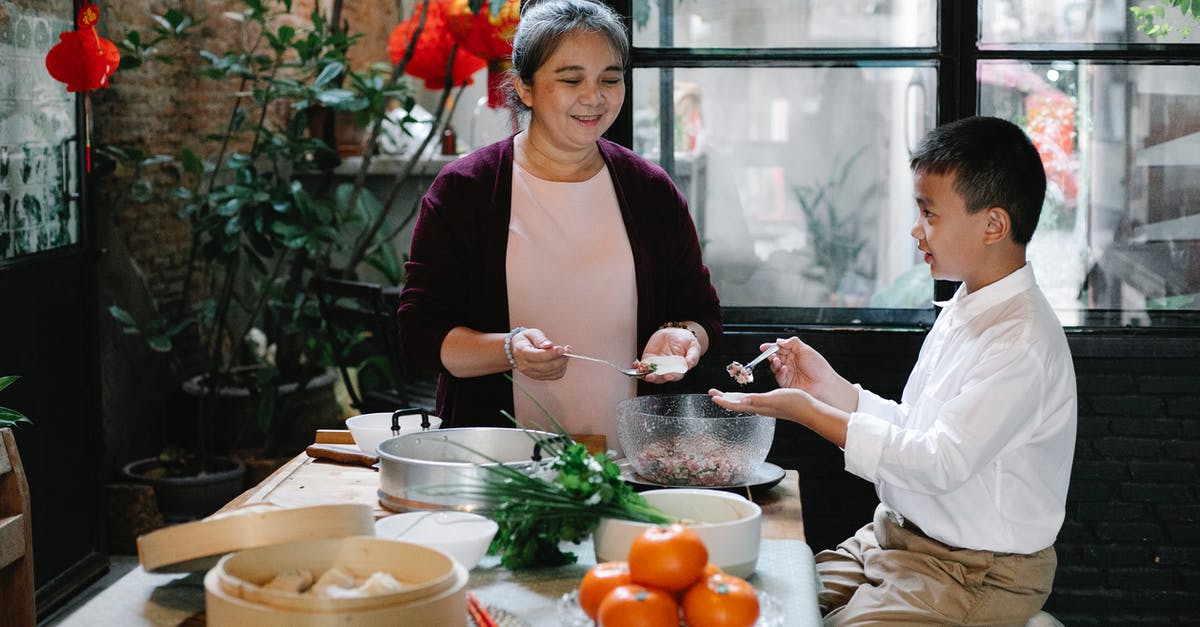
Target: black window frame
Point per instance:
(955, 57)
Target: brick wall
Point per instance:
(1129, 551)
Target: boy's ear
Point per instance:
(998, 226)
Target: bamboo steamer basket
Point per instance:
(422, 571)
(433, 594)
(196, 546)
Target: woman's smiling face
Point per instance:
(576, 94)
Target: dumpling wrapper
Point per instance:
(667, 364)
(295, 581)
(380, 583)
(336, 577)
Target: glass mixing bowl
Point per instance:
(688, 440)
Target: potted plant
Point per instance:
(11, 417)
(264, 218)
(833, 226)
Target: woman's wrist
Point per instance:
(508, 352)
(697, 330)
(685, 325)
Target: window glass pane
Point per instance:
(1121, 145)
(39, 207)
(798, 178)
(796, 23)
(1077, 22)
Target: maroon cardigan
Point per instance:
(456, 269)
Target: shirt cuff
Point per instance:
(871, 403)
(866, 434)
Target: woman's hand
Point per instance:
(798, 365)
(672, 341)
(537, 357)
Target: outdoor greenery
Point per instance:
(1149, 18)
(257, 193)
(11, 417)
(833, 219)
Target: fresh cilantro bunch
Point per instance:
(538, 512)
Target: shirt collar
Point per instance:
(984, 298)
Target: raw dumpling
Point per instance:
(380, 583)
(335, 582)
(296, 581)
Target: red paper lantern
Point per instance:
(433, 49)
(487, 36)
(82, 58)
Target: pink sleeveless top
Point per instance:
(570, 274)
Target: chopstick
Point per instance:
(478, 613)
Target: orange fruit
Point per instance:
(637, 606)
(669, 558)
(711, 569)
(720, 601)
(598, 582)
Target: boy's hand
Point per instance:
(790, 404)
(786, 403)
(798, 365)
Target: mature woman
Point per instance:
(554, 241)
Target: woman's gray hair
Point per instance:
(545, 24)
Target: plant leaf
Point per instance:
(8, 380)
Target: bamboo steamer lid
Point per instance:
(447, 607)
(422, 571)
(196, 546)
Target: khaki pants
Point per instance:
(888, 574)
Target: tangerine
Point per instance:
(598, 582)
(632, 605)
(670, 558)
(720, 601)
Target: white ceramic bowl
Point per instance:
(369, 430)
(730, 525)
(462, 535)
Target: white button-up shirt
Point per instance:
(978, 453)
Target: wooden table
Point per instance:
(785, 568)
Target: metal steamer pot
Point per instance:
(444, 468)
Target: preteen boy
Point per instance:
(972, 466)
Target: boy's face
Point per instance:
(951, 238)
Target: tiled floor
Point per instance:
(118, 565)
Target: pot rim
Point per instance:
(392, 457)
(130, 471)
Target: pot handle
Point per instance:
(537, 445)
(408, 412)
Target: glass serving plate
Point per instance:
(770, 612)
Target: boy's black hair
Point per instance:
(995, 165)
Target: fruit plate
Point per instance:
(770, 612)
(766, 477)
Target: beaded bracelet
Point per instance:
(508, 346)
(678, 325)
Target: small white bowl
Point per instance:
(730, 525)
(369, 430)
(462, 535)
